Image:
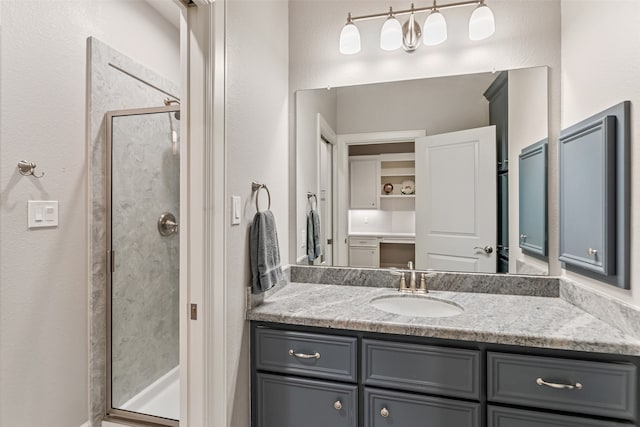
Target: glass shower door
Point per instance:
(143, 284)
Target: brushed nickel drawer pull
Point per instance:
(592, 251)
(337, 405)
(384, 412)
(577, 386)
(304, 356)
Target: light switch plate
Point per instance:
(42, 213)
(236, 210)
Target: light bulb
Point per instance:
(349, 38)
(482, 24)
(391, 34)
(435, 29)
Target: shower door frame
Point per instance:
(112, 412)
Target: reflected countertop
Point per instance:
(532, 321)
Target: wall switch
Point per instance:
(42, 213)
(236, 210)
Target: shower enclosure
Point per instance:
(143, 182)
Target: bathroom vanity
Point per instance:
(322, 355)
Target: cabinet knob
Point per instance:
(592, 252)
(523, 237)
(384, 412)
(337, 405)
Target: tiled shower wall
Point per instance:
(145, 293)
(114, 82)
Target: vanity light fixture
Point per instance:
(391, 33)
(409, 35)
(349, 38)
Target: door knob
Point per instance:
(487, 249)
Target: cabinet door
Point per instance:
(296, 402)
(509, 417)
(364, 177)
(587, 196)
(363, 257)
(383, 408)
(533, 198)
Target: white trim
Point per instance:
(341, 247)
(323, 128)
(204, 401)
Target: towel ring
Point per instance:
(257, 187)
(309, 196)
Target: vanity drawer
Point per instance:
(314, 355)
(363, 241)
(607, 389)
(509, 417)
(421, 368)
(297, 402)
(383, 408)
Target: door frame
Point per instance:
(341, 223)
(325, 134)
(203, 399)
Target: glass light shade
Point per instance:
(391, 34)
(349, 39)
(481, 25)
(435, 29)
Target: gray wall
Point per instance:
(145, 283)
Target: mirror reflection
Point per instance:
(420, 170)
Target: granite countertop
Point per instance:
(532, 321)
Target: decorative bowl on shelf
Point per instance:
(408, 187)
(387, 188)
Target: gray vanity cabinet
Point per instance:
(317, 377)
(533, 198)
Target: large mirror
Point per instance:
(422, 170)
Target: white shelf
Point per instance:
(408, 175)
(398, 196)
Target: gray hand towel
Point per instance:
(314, 246)
(264, 253)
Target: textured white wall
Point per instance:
(257, 110)
(43, 274)
(600, 68)
(527, 34)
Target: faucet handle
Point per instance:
(423, 284)
(403, 283)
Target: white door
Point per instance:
(325, 201)
(456, 201)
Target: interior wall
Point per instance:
(438, 105)
(43, 273)
(600, 69)
(257, 132)
(527, 35)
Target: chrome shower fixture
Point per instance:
(409, 35)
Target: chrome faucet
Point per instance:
(412, 282)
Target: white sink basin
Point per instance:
(416, 306)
